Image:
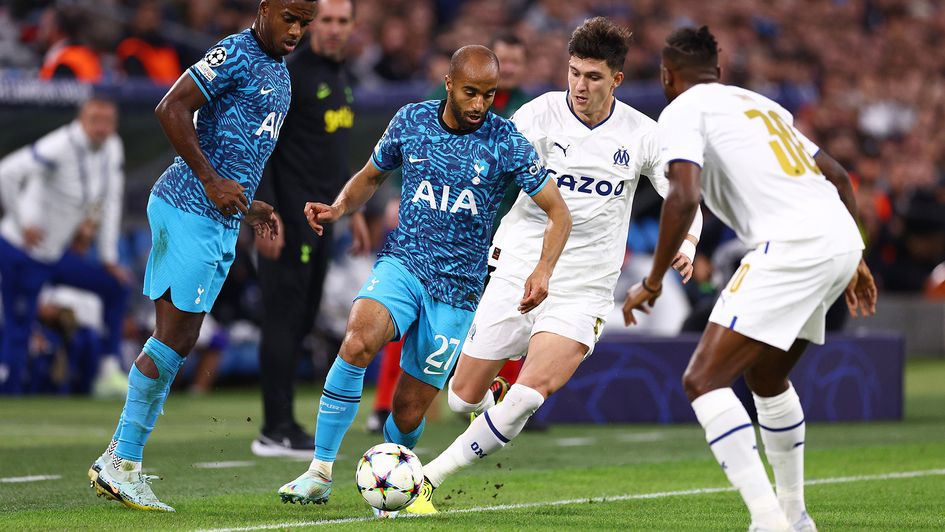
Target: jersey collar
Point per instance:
(567, 100)
(252, 31)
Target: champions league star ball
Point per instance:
(389, 476)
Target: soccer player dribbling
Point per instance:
(794, 206)
(457, 159)
(241, 88)
(597, 150)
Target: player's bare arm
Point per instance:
(679, 209)
(355, 193)
(556, 234)
(861, 293)
(175, 112)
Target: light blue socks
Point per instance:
(392, 433)
(145, 400)
(337, 407)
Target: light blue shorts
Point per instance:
(190, 255)
(433, 331)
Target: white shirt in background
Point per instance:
(57, 183)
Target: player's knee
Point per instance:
(459, 404)
(766, 385)
(696, 384)
(542, 384)
(147, 366)
(356, 350)
(182, 341)
(523, 400)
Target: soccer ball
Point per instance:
(389, 476)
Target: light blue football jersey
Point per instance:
(453, 183)
(248, 94)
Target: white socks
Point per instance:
(731, 437)
(458, 405)
(124, 470)
(487, 433)
(782, 431)
(320, 468)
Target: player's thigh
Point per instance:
(432, 348)
(570, 316)
(473, 376)
(223, 264)
(187, 257)
(386, 307)
(500, 332)
(837, 275)
(551, 362)
(768, 376)
(720, 357)
(176, 328)
(773, 294)
(369, 327)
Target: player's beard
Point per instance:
(460, 116)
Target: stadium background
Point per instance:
(860, 77)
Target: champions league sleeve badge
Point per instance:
(215, 57)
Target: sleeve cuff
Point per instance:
(540, 187)
(378, 165)
(199, 83)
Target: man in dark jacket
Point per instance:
(310, 163)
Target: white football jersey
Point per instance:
(758, 171)
(597, 171)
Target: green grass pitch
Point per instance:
(864, 476)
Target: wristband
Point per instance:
(688, 249)
(648, 289)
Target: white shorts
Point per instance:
(499, 331)
(780, 294)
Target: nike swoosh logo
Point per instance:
(266, 91)
(428, 372)
(412, 160)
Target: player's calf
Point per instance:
(487, 434)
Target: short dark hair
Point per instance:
(506, 37)
(599, 38)
(692, 48)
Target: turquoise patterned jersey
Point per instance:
(248, 94)
(453, 183)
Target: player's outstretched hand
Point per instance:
(536, 290)
(270, 246)
(861, 293)
(641, 298)
(319, 214)
(262, 218)
(227, 195)
(683, 264)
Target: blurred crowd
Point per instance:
(864, 79)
